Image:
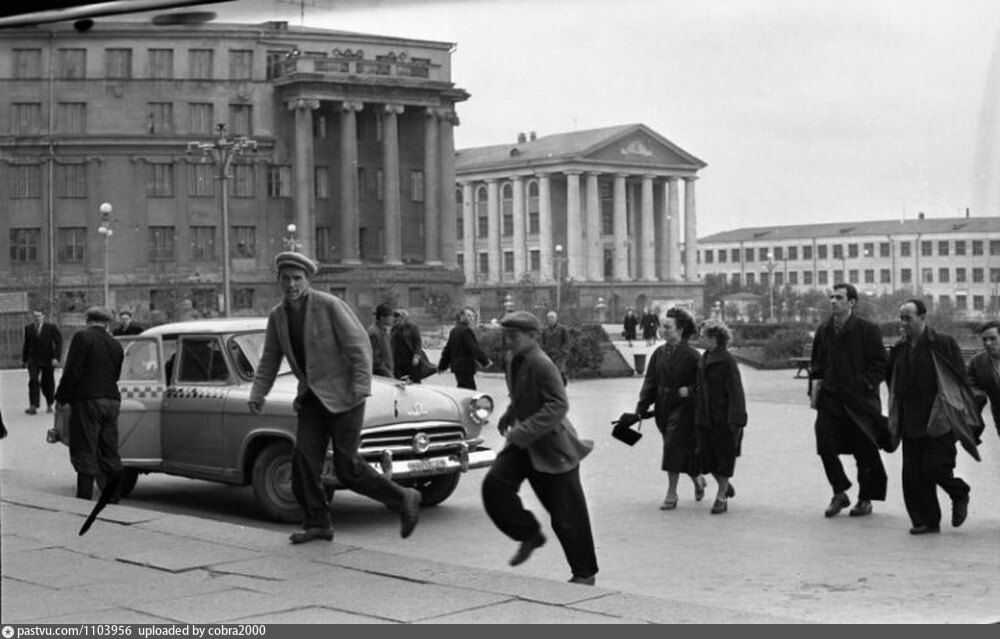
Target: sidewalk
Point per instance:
(139, 566)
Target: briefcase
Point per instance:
(622, 430)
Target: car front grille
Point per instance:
(399, 439)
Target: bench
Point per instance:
(801, 364)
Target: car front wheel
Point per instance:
(272, 483)
(434, 490)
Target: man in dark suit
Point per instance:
(463, 352)
(40, 354)
(555, 344)
(407, 345)
(543, 448)
(126, 326)
(378, 334)
(89, 384)
(984, 370)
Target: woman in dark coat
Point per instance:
(649, 324)
(670, 385)
(629, 326)
(720, 411)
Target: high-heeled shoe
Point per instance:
(730, 491)
(699, 488)
(720, 506)
(669, 504)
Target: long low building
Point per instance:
(951, 260)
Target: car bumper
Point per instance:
(460, 460)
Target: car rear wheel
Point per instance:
(436, 489)
(129, 477)
(272, 483)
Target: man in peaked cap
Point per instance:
(327, 348)
(89, 385)
(543, 448)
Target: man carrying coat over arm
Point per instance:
(543, 448)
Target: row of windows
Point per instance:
(506, 262)
(945, 248)
(867, 276)
(71, 118)
(71, 64)
(71, 181)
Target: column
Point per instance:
(520, 257)
(545, 245)
(304, 167)
(633, 223)
(446, 156)
(595, 250)
(432, 219)
(469, 238)
(648, 246)
(575, 266)
(673, 243)
(392, 214)
(350, 208)
(493, 222)
(690, 232)
(621, 229)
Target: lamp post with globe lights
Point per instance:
(106, 230)
(292, 243)
(770, 283)
(559, 259)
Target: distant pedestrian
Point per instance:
(670, 382)
(89, 384)
(378, 334)
(462, 352)
(848, 365)
(543, 448)
(40, 354)
(407, 346)
(629, 326)
(650, 324)
(930, 407)
(126, 326)
(984, 370)
(555, 344)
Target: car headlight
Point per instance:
(480, 409)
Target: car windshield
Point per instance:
(246, 349)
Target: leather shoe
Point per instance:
(959, 510)
(923, 530)
(31, 410)
(699, 488)
(410, 512)
(861, 509)
(669, 504)
(48, 409)
(527, 547)
(309, 534)
(584, 581)
(720, 506)
(837, 504)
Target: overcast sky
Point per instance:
(804, 110)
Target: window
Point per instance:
(71, 180)
(200, 180)
(822, 278)
(959, 247)
(734, 256)
(459, 227)
(793, 278)
(201, 118)
(117, 64)
(201, 64)
(416, 186)
(508, 261)
(779, 253)
(943, 276)
(202, 243)
(279, 180)
(72, 244)
(205, 299)
(961, 302)
(71, 117)
(201, 361)
(160, 179)
(324, 245)
(943, 248)
(27, 179)
(241, 119)
(977, 247)
(161, 243)
(959, 274)
(240, 64)
(977, 275)
(275, 60)
(807, 278)
(821, 251)
(852, 276)
(244, 242)
(507, 210)
(852, 251)
(994, 275)
(749, 254)
(242, 299)
(482, 212)
(906, 276)
(709, 256)
(609, 262)
(242, 182)
(869, 276)
(321, 182)
(904, 249)
(838, 251)
(535, 260)
(734, 279)
(885, 276)
(24, 245)
(362, 184)
(750, 279)
(765, 278)
(607, 207)
(26, 118)
(161, 117)
(807, 252)
(884, 249)
(762, 253)
(72, 64)
(978, 303)
(380, 188)
(927, 275)
(994, 247)
(793, 253)
(161, 64)
(484, 264)
(460, 262)
(534, 225)
(944, 300)
(27, 64)
(926, 248)
(838, 276)
(722, 256)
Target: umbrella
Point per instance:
(109, 491)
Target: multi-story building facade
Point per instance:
(950, 260)
(354, 145)
(595, 212)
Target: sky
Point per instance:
(804, 110)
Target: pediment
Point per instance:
(642, 148)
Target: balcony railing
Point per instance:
(355, 66)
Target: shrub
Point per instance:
(585, 350)
(784, 344)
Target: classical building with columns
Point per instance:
(354, 145)
(588, 219)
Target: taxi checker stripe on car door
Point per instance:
(142, 392)
(195, 392)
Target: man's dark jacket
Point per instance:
(406, 342)
(986, 384)
(462, 351)
(93, 365)
(851, 366)
(41, 348)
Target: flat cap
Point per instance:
(98, 314)
(521, 321)
(296, 260)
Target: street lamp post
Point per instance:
(106, 230)
(770, 282)
(291, 242)
(560, 259)
(222, 152)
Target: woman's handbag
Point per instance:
(622, 430)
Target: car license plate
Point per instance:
(425, 465)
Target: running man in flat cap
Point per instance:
(543, 448)
(328, 349)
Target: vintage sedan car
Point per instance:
(184, 412)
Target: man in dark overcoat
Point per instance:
(89, 384)
(555, 343)
(543, 448)
(984, 370)
(650, 323)
(40, 354)
(931, 406)
(462, 351)
(378, 335)
(407, 345)
(847, 367)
